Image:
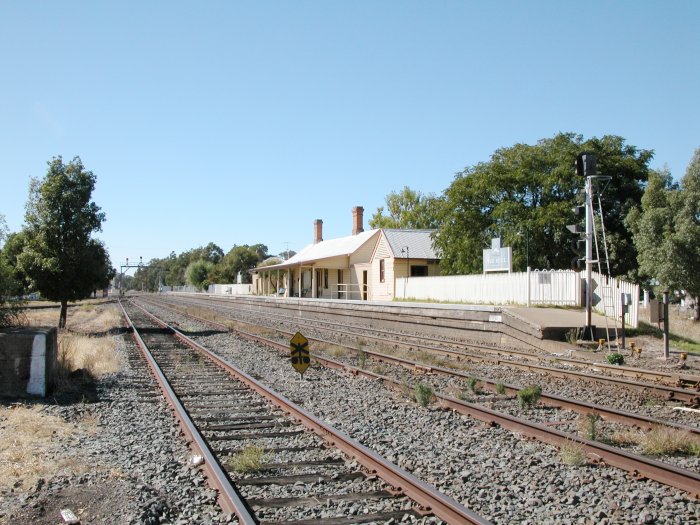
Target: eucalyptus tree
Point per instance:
(666, 230)
(525, 194)
(407, 209)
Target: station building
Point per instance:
(361, 266)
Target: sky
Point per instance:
(242, 122)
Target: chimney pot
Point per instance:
(357, 212)
(318, 231)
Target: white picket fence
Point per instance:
(534, 287)
(609, 292)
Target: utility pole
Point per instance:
(589, 253)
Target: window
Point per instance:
(381, 270)
(419, 271)
(325, 278)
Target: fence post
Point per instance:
(528, 286)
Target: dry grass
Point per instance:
(573, 454)
(685, 333)
(34, 445)
(250, 459)
(662, 440)
(88, 317)
(627, 438)
(333, 350)
(97, 355)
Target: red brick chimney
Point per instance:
(318, 231)
(357, 212)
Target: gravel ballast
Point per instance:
(492, 471)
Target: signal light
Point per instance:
(585, 164)
(578, 264)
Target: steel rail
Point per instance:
(638, 466)
(430, 499)
(551, 399)
(228, 497)
(655, 375)
(691, 397)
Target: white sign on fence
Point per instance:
(497, 258)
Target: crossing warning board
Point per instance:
(299, 346)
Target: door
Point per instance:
(364, 285)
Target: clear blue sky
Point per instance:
(242, 122)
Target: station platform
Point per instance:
(552, 322)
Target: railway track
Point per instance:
(229, 416)
(638, 465)
(661, 384)
(684, 387)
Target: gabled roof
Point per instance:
(341, 246)
(419, 243)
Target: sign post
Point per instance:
(299, 346)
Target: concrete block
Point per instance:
(28, 361)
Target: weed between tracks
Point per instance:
(573, 454)
(250, 459)
(529, 396)
(423, 394)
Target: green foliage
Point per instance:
(60, 259)
(473, 385)
(10, 306)
(500, 389)
(423, 394)
(407, 209)
(526, 194)
(616, 359)
(666, 231)
(172, 270)
(197, 273)
(239, 259)
(529, 396)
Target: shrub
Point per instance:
(473, 384)
(500, 389)
(529, 396)
(616, 359)
(423, 394)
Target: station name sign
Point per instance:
(498, 258)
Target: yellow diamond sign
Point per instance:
(299, 346)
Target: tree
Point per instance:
(239, 259)
(407, 209)
(525, 195)
(198, 273)
(60, 258)
(13, 247)
(666, 231)
(10, 305)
